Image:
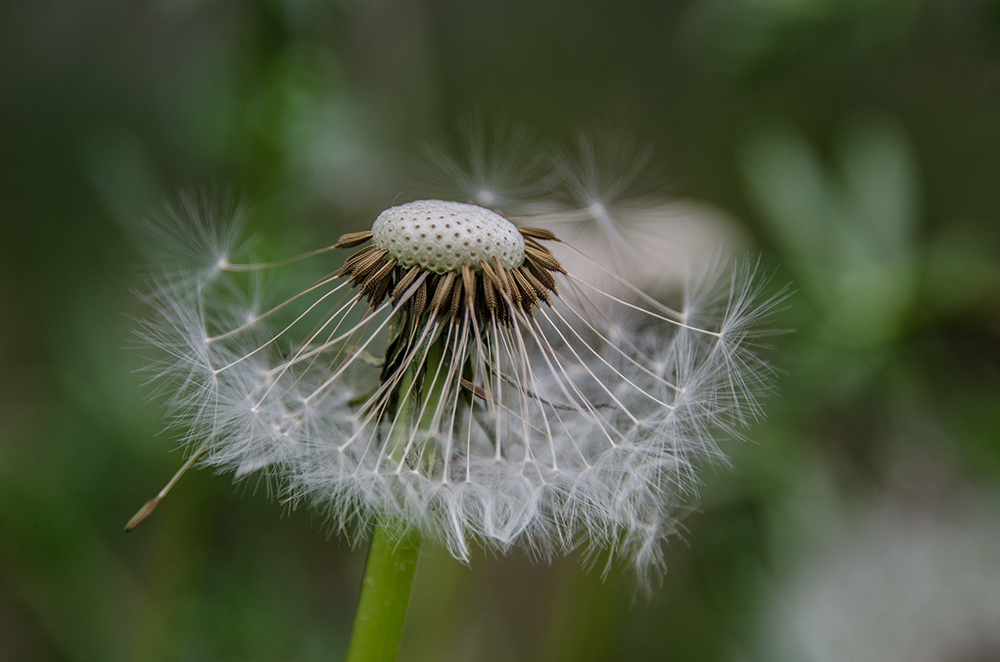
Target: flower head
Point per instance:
(453, 377)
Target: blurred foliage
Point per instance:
(858, 141)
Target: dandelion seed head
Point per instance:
(455, 377)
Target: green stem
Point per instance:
(392, 556)
(385, 594)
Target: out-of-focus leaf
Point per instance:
(881, 182)
(849, 235)
(786, 180)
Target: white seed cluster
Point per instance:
(441, 236)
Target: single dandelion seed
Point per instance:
(503, 167)
(452, 382)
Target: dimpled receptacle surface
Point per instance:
(441, 236)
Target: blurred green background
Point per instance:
(858, 144)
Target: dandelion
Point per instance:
(453, 382)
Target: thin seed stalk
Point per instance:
(392, 555)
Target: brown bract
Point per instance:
(487, 290)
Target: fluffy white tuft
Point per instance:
(580, 422)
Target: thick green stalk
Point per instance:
(392, 556)
(385, 594)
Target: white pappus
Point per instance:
(454, 378)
